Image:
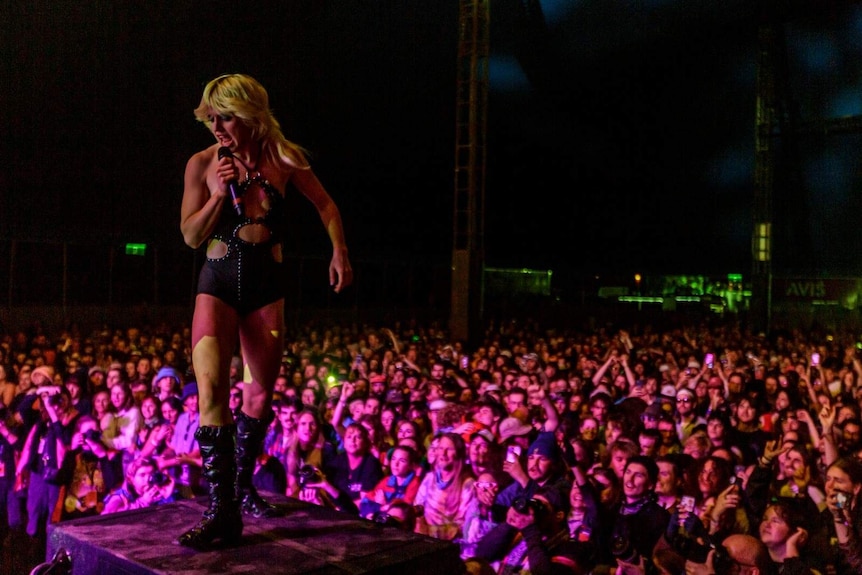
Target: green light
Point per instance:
(639, 299)
(136, 249)
(734, 277)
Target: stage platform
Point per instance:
(307, 540)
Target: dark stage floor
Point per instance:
(307, 540)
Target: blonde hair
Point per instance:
(244, 97)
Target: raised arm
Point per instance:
(597, 378)
(827, 421)
(630, 375)
(338, 413)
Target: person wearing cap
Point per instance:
(96, 377)
(650, 416)
(544, 466)
(377, 385)
(42, 375)
(168, 382)
(513, 431)
(530, 364)
(435, 407)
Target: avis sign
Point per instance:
(846, 292)
(805, 289)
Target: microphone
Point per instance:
(232, 185)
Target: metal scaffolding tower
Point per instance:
(471, 118)
(777, 172)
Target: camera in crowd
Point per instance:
(623, 544)
(308, 474)
(523, 505)
(93, 435)
(697, 552)
(690, 548)
(623, 549)
(159, 479)
(722, 562)
(384, 518)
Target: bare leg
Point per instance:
(262, 342)
(261, 334)
(214, 337)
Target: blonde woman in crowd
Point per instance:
(447, 490)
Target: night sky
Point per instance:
(620, 134)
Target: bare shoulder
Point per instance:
(304, 179)
(200, 161)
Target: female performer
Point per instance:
(233, 201)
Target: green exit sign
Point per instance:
(136, 249)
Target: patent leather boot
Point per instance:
(222, 519)
(250, 433)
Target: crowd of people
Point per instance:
(701, 449)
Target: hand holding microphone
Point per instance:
(232, 185)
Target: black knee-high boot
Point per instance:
(222, 520)
(250, 433)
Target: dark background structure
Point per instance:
(620, 134)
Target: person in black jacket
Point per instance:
(638, 524)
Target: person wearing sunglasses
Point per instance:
(687, 418)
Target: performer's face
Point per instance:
(229, 130)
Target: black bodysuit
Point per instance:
(248, 276)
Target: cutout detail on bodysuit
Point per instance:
(254, 233)
(246, 247)
(216, 249)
